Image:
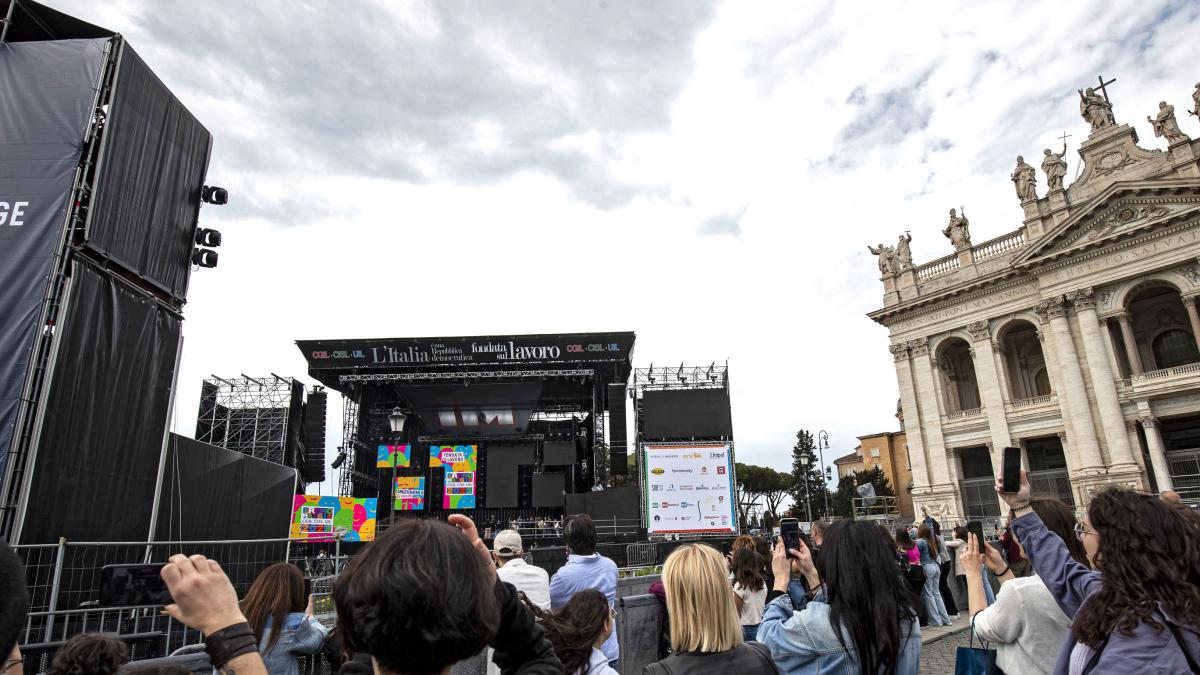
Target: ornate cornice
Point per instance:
(978, 330)
(919, 346)
(899, 351)
(1083, 299)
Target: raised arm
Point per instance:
(1068, 581)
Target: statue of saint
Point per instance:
(887, 259)
(1095, 109)
(903, 252)
(957, 230)
(1165, 124)
(1196, 101)
(1025, 178)
(1055, 167)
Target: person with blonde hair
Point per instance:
(706, 633)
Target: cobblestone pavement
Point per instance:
(937, 658)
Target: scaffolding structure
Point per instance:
(247, 415)
(347, 450)
(712, 376)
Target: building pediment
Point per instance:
(1121, 211)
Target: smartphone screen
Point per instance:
(132, 585)
(975, 527)
(789, 531)
(1012, 470)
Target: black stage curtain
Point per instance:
(105, 415)
(687, 413)
(148, 179)
(210, 493)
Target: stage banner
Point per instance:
(323, 518)
(390, 456)
(46, 95)
(459, 462)
(410, 494)
(689, 488)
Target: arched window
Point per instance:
(1174, 347)
(1041, 382)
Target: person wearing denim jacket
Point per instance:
(1151, 546)
(805, 639)
(301, 635)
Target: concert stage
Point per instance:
(505, 428)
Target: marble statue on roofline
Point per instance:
(903, 252)
(1166, 125)
(957, 230)
(887, 259)
(1095, 109)
(1195, 101)
(1025, 179)
(1055, 168)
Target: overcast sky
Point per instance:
(708, 176)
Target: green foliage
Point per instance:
(760, 483)
(807, 482)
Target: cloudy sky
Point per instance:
(708, 175)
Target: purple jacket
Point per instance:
(1144, 653)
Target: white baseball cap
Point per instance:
(507, 543)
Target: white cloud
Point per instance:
(580, 202)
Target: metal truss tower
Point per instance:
(247, 414)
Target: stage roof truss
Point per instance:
(712, 376)
(465, 375)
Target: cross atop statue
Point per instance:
(1103, 84)
(1064, 138)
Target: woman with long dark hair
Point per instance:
(931, 593)
(863, 617)
(909, 557)
(577, 629)
(282, 618)
(1138, 610)
(1025, 624)
(749, 590)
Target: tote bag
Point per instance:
(972, 660)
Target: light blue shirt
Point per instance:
(301, 635)
(804, 642)
(581, 573)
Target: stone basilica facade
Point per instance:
(1075, 337)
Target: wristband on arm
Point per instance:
(229, 643)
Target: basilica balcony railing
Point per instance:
(1033, 400)
(999, 246)
(962, 414)
(1164, 380)
(938, 267)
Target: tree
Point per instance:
(843, 499)
(808, 479)
(760, 482)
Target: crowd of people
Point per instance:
(1118, 591)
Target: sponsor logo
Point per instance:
(696, 455)
(656, 488)
(667, 505)
(721, 498)
(686, 487)
(657, 471)
(720, 471)
(704, 471)
(655, 505)
(684, 505)
(681, 471)
(716, 455)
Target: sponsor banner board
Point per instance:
(323, 518)
(689, 488)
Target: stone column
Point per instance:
(931, 419)
(1072, 398)
(912, 418)
(1158, 455)
(1103, 383)
(989, 390)
(1189, 303)
(1135, 359)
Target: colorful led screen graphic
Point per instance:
(324, 518)
(460, 462)
(410, 494)
(389, 456)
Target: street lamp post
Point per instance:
(822, 446)
(805, 460)
(396, 422)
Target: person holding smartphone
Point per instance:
(863, 617)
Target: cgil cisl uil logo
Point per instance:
(13, 213)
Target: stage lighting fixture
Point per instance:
(341, 458)
(203, 257)
(396, 420)
(207, 237)
(212, 194)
